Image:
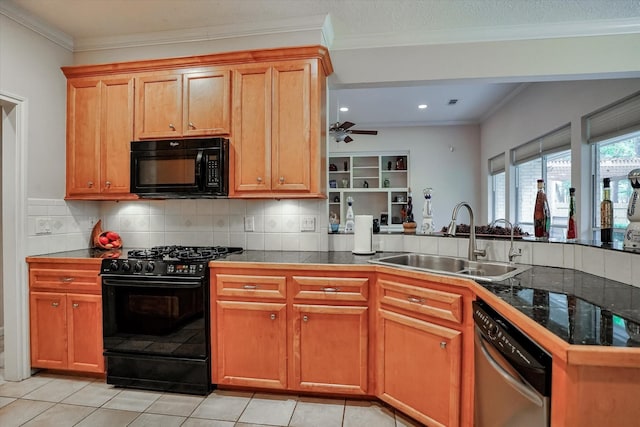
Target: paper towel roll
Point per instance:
(363, 235)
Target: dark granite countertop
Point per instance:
(578, 307)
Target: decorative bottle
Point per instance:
(606, 213)
(427, 213)
(541, 214)
(571, 226)
(350, 222)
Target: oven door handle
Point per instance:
(518, 384)
(147, 283)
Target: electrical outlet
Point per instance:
(308, 223)
(249, 223)
(43, 225)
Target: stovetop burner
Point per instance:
(182, 253)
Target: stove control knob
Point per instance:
(113, 266)
(493, 331)
(126, 266)
(150, 266)
(138, 267)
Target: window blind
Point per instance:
(614, 120)
(552, 142)
(496, 164)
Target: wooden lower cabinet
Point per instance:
(251, 344)
(419, 368)
(66, 331)
(330, 348)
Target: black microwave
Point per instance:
(180, 168)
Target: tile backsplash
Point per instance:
(277, 225)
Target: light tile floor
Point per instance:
(54, 400)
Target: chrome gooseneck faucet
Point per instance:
(513, 252)
(473, 251)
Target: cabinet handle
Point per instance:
(67, 279)
(305, 318)
(107, 184)
(259, 179)
(90, 184)
(273, 316)
(76, 305)
(328, 289)
(416, 300)
(443, 344)
(55, 304)
(281, 179)
(191, 125)
(250, 287)
(171, 126)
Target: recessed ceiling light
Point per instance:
(344, 109)
(422, 106)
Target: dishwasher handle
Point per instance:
(517, 383)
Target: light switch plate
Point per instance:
(308, 223)
(43, 225)
(249, 223)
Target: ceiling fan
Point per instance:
(341, 131)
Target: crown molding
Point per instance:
(37, 25)
(320, 23)
(601, 27)
(517, 90)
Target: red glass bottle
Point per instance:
(541, 214)
(571, 226)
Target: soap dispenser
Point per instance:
(348, 227)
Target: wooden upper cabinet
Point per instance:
(99, 133)
(183, 104)
(278, 135)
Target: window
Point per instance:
(497, 187)
(614, 133)
(547, 158)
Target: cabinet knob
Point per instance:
(76, 305)
(250, 287)
(90, 184)
(273, 316)
(107, 184)
(55, 304)
(443, 344)
(281, 179)
(191, 125)
(305, 318)
(171, 126)
(67, 279)
(259, 179)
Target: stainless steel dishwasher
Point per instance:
(512, 374)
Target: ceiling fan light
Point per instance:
(422, 106)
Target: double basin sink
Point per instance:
(491, 271)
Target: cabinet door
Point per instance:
(251, 344)
(158, 106)
(419, 368)
(330, 348)
(84, 329)
(252, 129)
(83, 136)
(291, 127)
(116, 133)
(48, 330)
(207, 103)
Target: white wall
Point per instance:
(30, 68)
(451, 174)
(543, 107)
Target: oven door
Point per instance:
(155, 316)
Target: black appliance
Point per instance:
(512, 374)
(156, 318)
(181, 168)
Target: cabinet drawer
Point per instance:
(331, 288)
(61, 279)
(440, 304)
(236, 285)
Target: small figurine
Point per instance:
(427, 213)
